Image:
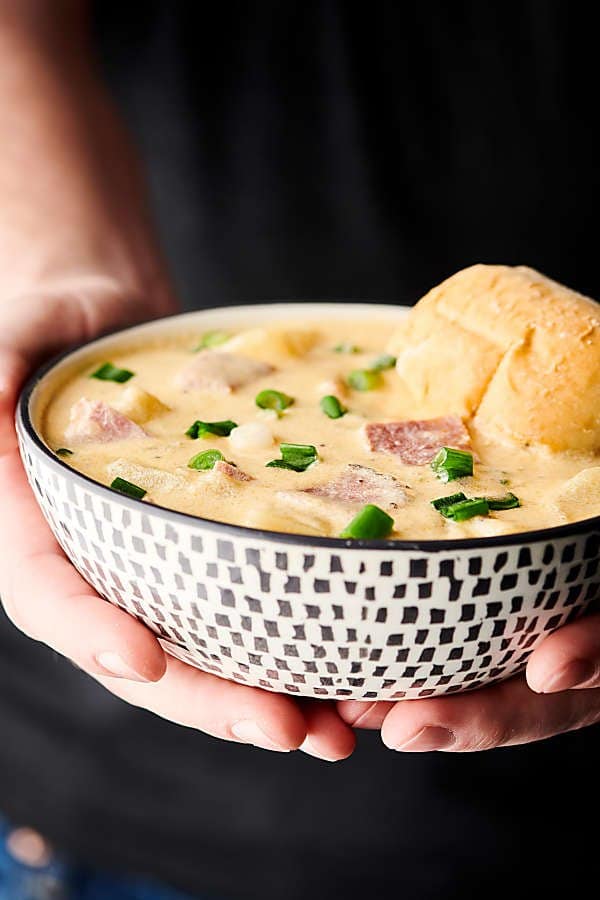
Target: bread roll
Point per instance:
(508, 348)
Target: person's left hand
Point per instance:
(559, 692)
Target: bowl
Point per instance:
(308, 616)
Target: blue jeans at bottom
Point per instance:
(65, 879)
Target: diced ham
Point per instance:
(93, 420)
(417, 442)
(225, 468)
(212, 370)
(359, 484)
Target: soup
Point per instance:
(310, 428)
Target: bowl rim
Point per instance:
(24, 421)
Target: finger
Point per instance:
(328, 737)
(12, 372)
(47, 599)
(499, 716)
(224, 709)
(364, 714)
(567, 659)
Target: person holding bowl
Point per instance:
(109, 785)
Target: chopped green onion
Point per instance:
(346, 347)
(459, 508)
(127, 488)
(508, 502)
(201, 429)
(332, 407)
(109, 372)
(211, 339)
(370, 523)
(451, 464)
(275, 400)
(205, 460)
(63, 451)
(383, 362)
(466, 509)
(364, 380)
(442, 502)
(297, 457)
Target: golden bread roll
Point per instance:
(517, 353)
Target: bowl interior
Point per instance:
(49, 379)
(37, 394)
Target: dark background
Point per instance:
(329, 150)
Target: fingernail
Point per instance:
(115, 665)
(572, 675)
(307, 747)
(432, 737)
(249, 732)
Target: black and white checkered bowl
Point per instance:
(316, 617)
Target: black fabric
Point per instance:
(328, 150)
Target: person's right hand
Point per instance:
(47, 599)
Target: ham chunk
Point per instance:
(417, 442)
(211, 370)
(93, 420)
(359, 484)
(225, 468)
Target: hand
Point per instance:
(77, 257)
(559, 692)
(48, 600)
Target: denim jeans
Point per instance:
(56, 877)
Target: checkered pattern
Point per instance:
(317, 621)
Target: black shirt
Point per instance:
(347, 151)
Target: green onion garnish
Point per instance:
(63, 451)
(370, 523)
(202, 429)
(346, 347)
(273, 400)
(449, 464)
(297, 457)
(109, 372)
(211, 339)
(442, 502)
(364, 379)
(466, 509)
(383, 362)
(126, 487)
(205, 460)
(332, 407)
(508, 502)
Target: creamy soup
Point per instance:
(143, 420)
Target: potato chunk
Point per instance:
(579, 497)
(274, 343)
(139, 405)
(148, 477)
